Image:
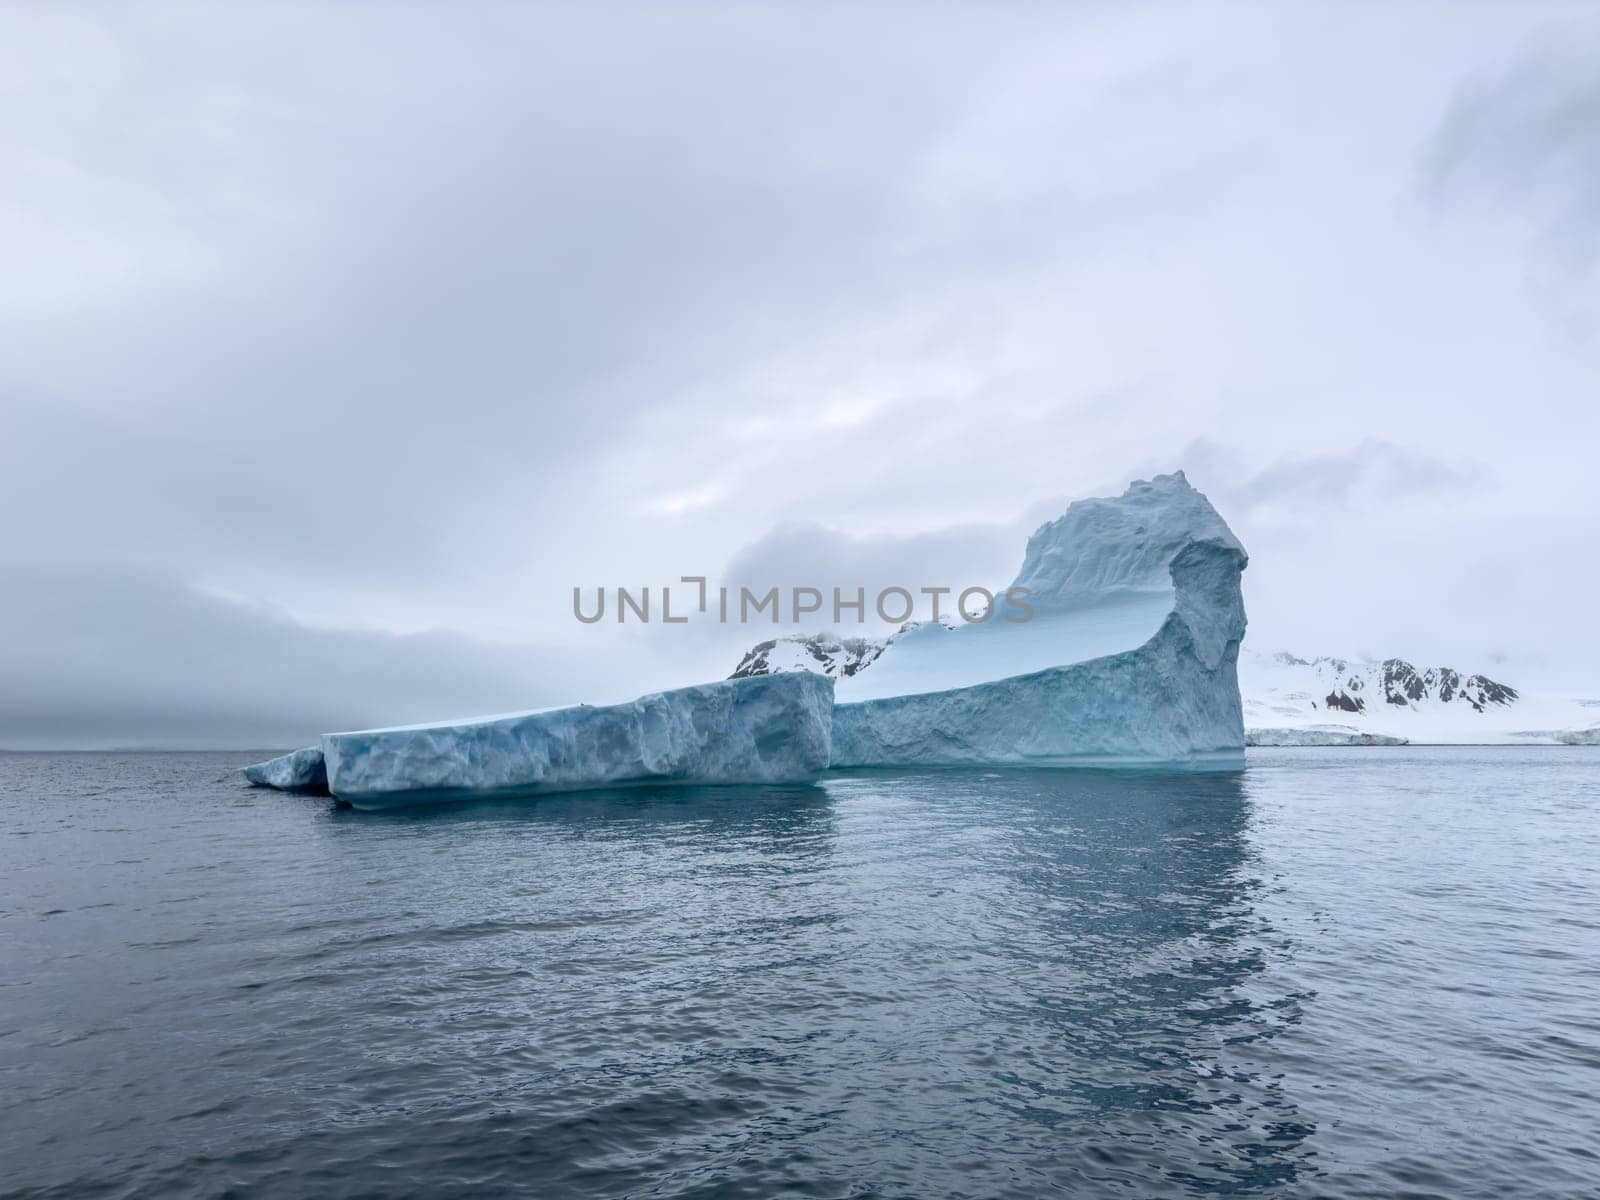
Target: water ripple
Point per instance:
(1336, 974)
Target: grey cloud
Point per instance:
(417, 260)
(118, 657)
(350, 264)
(397, 318)
(811, 555)
(1529, 140)
(1371, 474)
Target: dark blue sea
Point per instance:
(1339, 973)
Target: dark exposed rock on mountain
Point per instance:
(1405, 684)
(1345, 702)
(819, 653)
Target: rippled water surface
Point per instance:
(1339, 973)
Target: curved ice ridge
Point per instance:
(1171, 697)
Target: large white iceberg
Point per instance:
(767, 729)
(1131, 657)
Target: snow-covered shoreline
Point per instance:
(1289, 699)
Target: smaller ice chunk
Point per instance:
(765, 729)
(302, 771)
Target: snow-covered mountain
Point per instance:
(1293, 686)
(1289, 700)
(823, 653)
(819, 653)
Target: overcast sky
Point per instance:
(341, 343)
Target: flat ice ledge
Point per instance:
(764, 729)
(301, 771)
(1320, 735)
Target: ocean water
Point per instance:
(1338, 973)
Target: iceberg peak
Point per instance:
(1102, 546)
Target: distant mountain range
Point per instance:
(1289, 700)
(1339, 685)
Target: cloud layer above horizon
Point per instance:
(343, 342)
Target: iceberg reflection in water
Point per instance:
(941, 983)
(1340, 973)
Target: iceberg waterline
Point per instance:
(1131, 660)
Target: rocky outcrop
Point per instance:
(1404, 684)
(819, 653)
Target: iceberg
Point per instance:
(1131, 657)
(1125, 653)
(301, 771)
(764, 729)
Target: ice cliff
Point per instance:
(767, 729)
